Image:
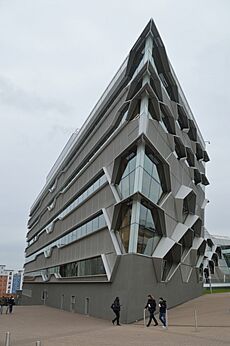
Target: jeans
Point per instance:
(117, 318)
(162, 317)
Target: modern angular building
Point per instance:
(216, 263)
(122, 210)
(17, 281)
(6, 280)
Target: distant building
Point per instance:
(224, 243)
(3, 284)
(17, 281)
(6, 279)
(216, 263)
(122, 210)
(8, 283)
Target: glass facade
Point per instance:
(82, 197)
(88, 267)
(128, 166)
(148, 235)
(124, 229)
(152, 177)
(150, 170)
(79, 232)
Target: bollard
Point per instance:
(144, 318)
(38, 343)
(7, 340)
(195, 318)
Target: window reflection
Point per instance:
(87, 267)
(152, 177)
(148, 235)
(127, 174)
(124, 227)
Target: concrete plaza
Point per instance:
(52, 327)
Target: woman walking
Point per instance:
(116, 307)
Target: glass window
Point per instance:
(148, 166)
(148, 235)
(124, 226)
(95, 223)
(89, 226)
(96, 185)
(152, 183)
(146, 184)
(127, 174)
(101, 221)
(88, 267)
(83, 230)
(73, 205)
(90, 190)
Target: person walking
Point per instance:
(162, 311)
(151, 306)
(11, 303)
(2, 300)
(6, 304)
(116, 307)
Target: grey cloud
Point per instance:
(17, 97)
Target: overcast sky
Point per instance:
(57, 57)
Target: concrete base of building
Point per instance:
(134, 280)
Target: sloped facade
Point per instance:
(122, 212)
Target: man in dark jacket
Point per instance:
(2, 302)
(116, 307)
(151, 306)
(11, 303)
(162, 311)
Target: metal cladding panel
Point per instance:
(164, 246)
(104, 126)
(170, 224)
(199, 165)
(169, 206)
(91, 141)
(179, 231)
(176, 171)
(92, 245)
(158, 138)
(184, 137)
(101, 199)
(200, 195)
(114, 148)
(185, 272)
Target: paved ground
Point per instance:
(59, 328)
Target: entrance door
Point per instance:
(62, 301)
(72, 303)
(86, 306)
